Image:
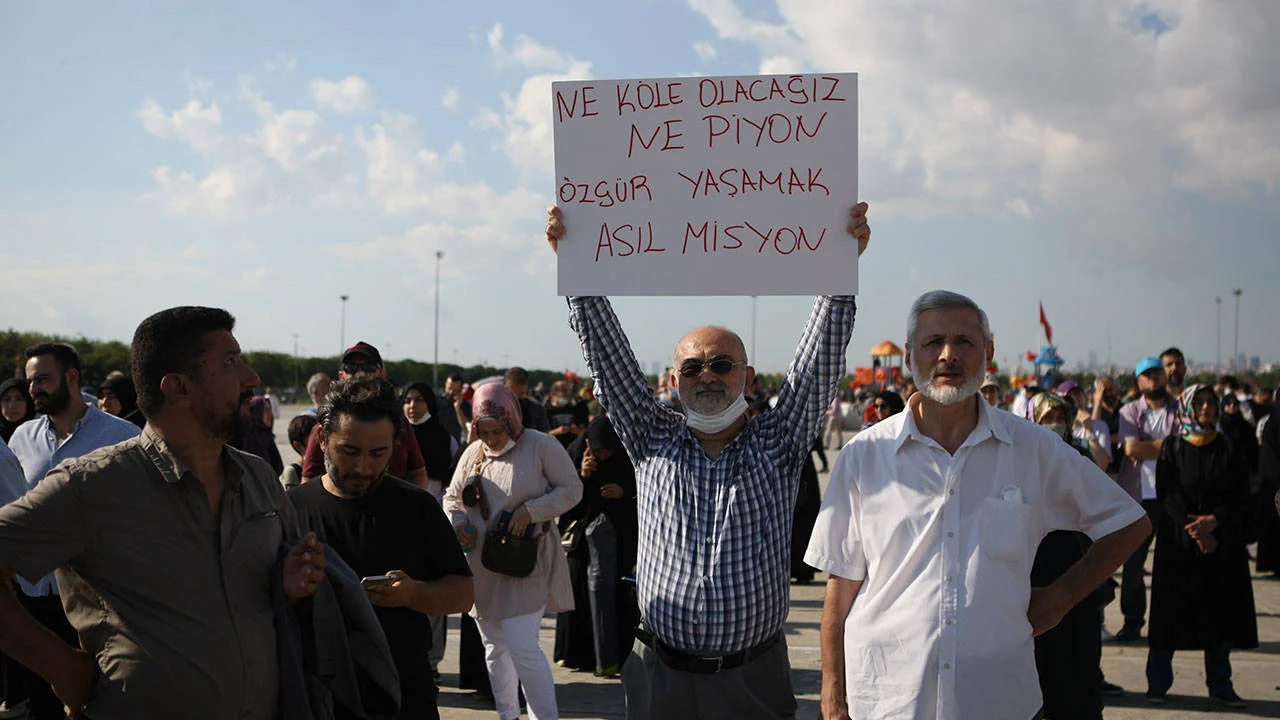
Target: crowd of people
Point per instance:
(165, 561)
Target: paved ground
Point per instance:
(1256, 672)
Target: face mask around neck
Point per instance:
(715, 422)
(425, 418)
(500, 451)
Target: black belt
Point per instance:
(703, 665)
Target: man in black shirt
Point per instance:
(382, 525)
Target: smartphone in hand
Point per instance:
(376, 581)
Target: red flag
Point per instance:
(1048, 331)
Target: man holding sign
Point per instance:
(715, 493)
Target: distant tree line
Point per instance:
(277, 370)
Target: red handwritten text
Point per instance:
(605, 193)
(670, 130)
(796, 89)
(571, 107)
(775, 128)
(633, 239)
(740, 181)
(648, 95)
(716, 237)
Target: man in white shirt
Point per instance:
(928, 529)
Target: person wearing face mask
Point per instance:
(510, 468)
(715, 494)
(566, 416)
(1201, 592)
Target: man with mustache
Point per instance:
(65, 428)
(715, 495)
(931, 520)
(166, 546)
(382, 525)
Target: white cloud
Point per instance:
(525, 119)
(705, 50)
(348, 96)
(193, 124)
(449, 100)
(1096, 110)
(527, 52)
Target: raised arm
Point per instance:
(810, 382)
(620, 385)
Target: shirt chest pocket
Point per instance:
(1005, 529)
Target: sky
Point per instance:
(1115, 160)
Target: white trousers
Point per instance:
(514, 658)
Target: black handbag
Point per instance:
(514, 555)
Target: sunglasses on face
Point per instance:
(354, 368)
(720, 365)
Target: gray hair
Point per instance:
(314, 381)
(943, 300)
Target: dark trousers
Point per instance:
(602, 584)
(48, 612)
(1133, 586)
(1217, 669)
(759, 689)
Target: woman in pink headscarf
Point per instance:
(507, 467)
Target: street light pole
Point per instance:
(1235, 350)
(295, 361)
(753, 330)
(342, 338)
(1218, 301)
(435, 368)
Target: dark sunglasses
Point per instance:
(353, 368)
(720, 365)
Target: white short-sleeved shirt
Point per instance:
(944, 546)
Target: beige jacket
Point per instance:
(538, 473)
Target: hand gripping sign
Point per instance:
(707, 186)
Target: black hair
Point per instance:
(300, 429)
(428, 395)
(456, 378)
(63, 354)
(517, 375)
(1174, 351)
(171, 341)
(1229, 381)
(364, 398)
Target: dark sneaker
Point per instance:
(1229, 699)
(1110, 689)
(1128, 634)
(1157, 697)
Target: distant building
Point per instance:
(1255, 363)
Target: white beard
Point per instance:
(946, 394)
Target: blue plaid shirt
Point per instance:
(715, 535)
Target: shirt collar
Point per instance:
(85, 419)
(172, 469)
(991, 423)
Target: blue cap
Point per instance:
(1150, 362)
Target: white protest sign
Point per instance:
(707, 186)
